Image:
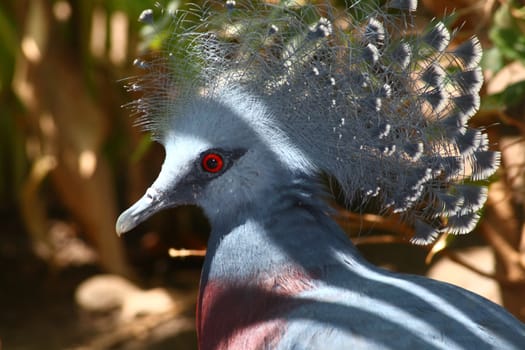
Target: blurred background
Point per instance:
(71, 161)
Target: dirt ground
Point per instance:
(38, 308)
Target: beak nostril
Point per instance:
(151, 194)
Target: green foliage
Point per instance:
(8, 43)
(511, 96)
(507, 34)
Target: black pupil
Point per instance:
(212, 163)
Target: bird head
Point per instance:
(222, 153)
(248, 99)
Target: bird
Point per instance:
(267, 111)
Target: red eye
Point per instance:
(212, 163)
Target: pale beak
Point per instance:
(145, 207)
(176, 185)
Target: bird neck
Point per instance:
(274, 251)
(290, 229)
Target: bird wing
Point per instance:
(381, 307)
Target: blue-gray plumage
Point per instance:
(272, 100)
